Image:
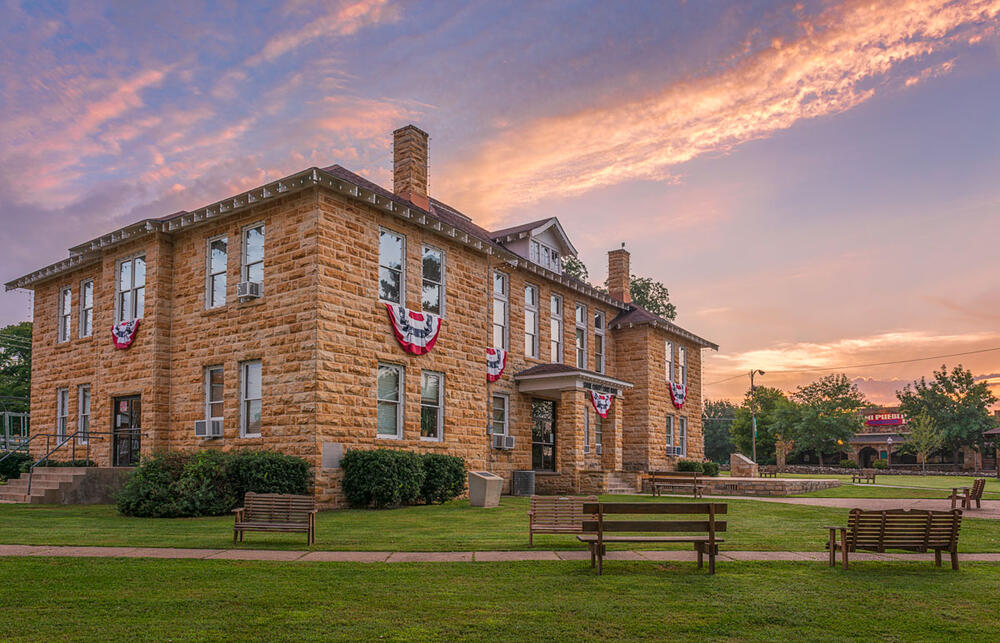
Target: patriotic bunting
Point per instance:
(678, 394)
(602, 402)
(123, 334)
(416, 332)
(496, 361)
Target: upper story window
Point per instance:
(131, 289)
(433, 287)
(682, 364)
(501, 309)
(214, 391)
(87, 308)
(218, 255)
(253, 254)
(668, 350)
(65, 305)
(431, 405)
(391, 266)
(545, 256)
(251, 398)
(390, 401)
(530, 321)
(599, 347)
(581, 336)
(556, 328)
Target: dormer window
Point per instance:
(545, 256)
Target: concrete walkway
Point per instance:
(991, 508)
(444, 557)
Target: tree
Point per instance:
(924, 438)
(653, 296)
(575, 268)
(717, 419)
(824, 415)
(955, 402)
(768, 402)
(15, 367)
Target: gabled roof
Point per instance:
(636, 315)
(535, 228)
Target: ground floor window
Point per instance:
(670, 435)
(543, 435)
(83, 415)
(501, 408)
(390, 401)
(62, 412)
(250, 392)
(431, 405)
(683, 435)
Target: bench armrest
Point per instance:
(314, 512)
(239, 510)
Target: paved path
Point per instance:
(440, 557)
(991, 508)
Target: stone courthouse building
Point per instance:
(322, 312)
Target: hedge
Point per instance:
(14, 464)
(691, 465)
(711, 468)
(383, 478)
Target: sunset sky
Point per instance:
(817, 183)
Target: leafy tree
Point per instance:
(717, 419)
(768, 403)
(575, 268)
(955, 402)
(924, 438)
(822, 414)
(15, 367)
(653, 296)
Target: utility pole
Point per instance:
(753, 410)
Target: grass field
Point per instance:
(902, 486)
(107, 599)
(455, 526)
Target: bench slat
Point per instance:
(653, 525)
(655, 507)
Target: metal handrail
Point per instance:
(25, 445)
(75, 436)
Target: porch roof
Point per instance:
(561, 377)
(877, 438)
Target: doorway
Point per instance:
(543, 435)
(127, 418)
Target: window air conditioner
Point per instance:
(208, 428)
(248, 290)
(501, 441)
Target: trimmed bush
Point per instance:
(269, 472)
(848, 464)
(710, 468)
(13, 465)
(206, 486)
(444, 477)
(382, 477)
(880, 464)
(691, 465)
(150, 492)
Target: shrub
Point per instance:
(848, 464)
(710, 468)
(382, 477)
(206, 486)
(691, 465)
(14, 464)
(444, 477)
(151, 491)
(880, 464)
(270, 472)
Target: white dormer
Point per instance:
(542, 242)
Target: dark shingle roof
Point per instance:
(636, 315)
(518, 229)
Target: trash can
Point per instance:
(484, 489)
(523, 483)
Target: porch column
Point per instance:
(569, 434)
(611, 456)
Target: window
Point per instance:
(501, 310)
(556, 328)
(544, 255)
(599, 342)
(87, 308)
(683, 435)
(581, 336)
(668, 347)
(501, 407)
(531, 321)
(670, 435)
(131, 289)
(391, 267)
(682, 362)
(586, 430)
(598, 430)
(390, 401)
(433, 291)
(250, 399)
(62, 412)
(593, 419)
(214, 390)
(543, 435)
(253, 254)
(65, 305)
(533, 251)
(431, 405)
(218, 255)
(83, 413)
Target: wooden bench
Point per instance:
(689, 481)
(556, 515)
(907, 529)
(967, 495)
(769, 471)
(702, 532)
(276, 512)
(863, 475)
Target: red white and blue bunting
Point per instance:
(416, 332)
(496, 362)
(123, 333)
(602, 402)
(678, 394)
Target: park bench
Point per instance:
(689, 481)
(907, 529)
(863, 475)
(967, 495)
(276, 512)
(556, 515)
(769, 471)
(599, 531)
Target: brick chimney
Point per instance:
(618, 274)
(409, 165)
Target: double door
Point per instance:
(127, 433)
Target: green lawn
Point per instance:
(902, 486)
(455, 526)
(107, 599)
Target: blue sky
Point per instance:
(814, 181)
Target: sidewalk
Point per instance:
(445, 557)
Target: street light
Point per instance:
(753, 410)
(888, 451)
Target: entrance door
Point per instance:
(127, 414)
(543, 435)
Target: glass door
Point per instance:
(127, 416)
(543, 435)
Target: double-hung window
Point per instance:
(433, 286)
(501, 408)
(581, 336)
(682, 363)
(62, 412)
(251, 400)
(390, 401)
(545, 256)
(683, 435)
(131, 289)
(253, 254)
(501, 309)
(586, 430)
(65, 305)
(668, 350)
(670, 435)
(599, 346)
(530, 321)
(83, 413)
(598, 430)
(391, 267)
(214, 391)
(556, 328)
(87, 308)
(431, 405)
(218, 255)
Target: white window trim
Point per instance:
(64, 332)
(401, 370)
(586, 430)
(600, 359)
(402, 267)
(244, 418)
(535, 349)
(444, 275)
(598, 434)
(80, 390)
(440, 407)
(668, 353)
(209, 274)
(244, 267)
(580, 326)
(62, 413)
(506, 414)
(682, 435)
(208, 391)
(83, 311)
(561, 317)
(504, 297)
(670, 434)
(682, 364)
(553, 265)
(118, 291)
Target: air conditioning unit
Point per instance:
(248, 290)
(672, 450)
(501, 441)
(598, 449)
(508, 442)
(586, 448)
(208, 428)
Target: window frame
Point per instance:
(682, 364)
(586, 429)
(553, 257)
(210, 276)
(86, 323)
(440, 406)
(668, 351)
(402, 266)
(670, 434)
(399, 401)
(506, 414)
(133, 298)
(424, 280)
(534, 331)
(208, 392)
(600, 340)
(62, 413)
(505, 298)
(682, 435)
(557, 340)
(244, 258)
(581, 350)
(64, 315)
(245, 400)
(81, 417)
